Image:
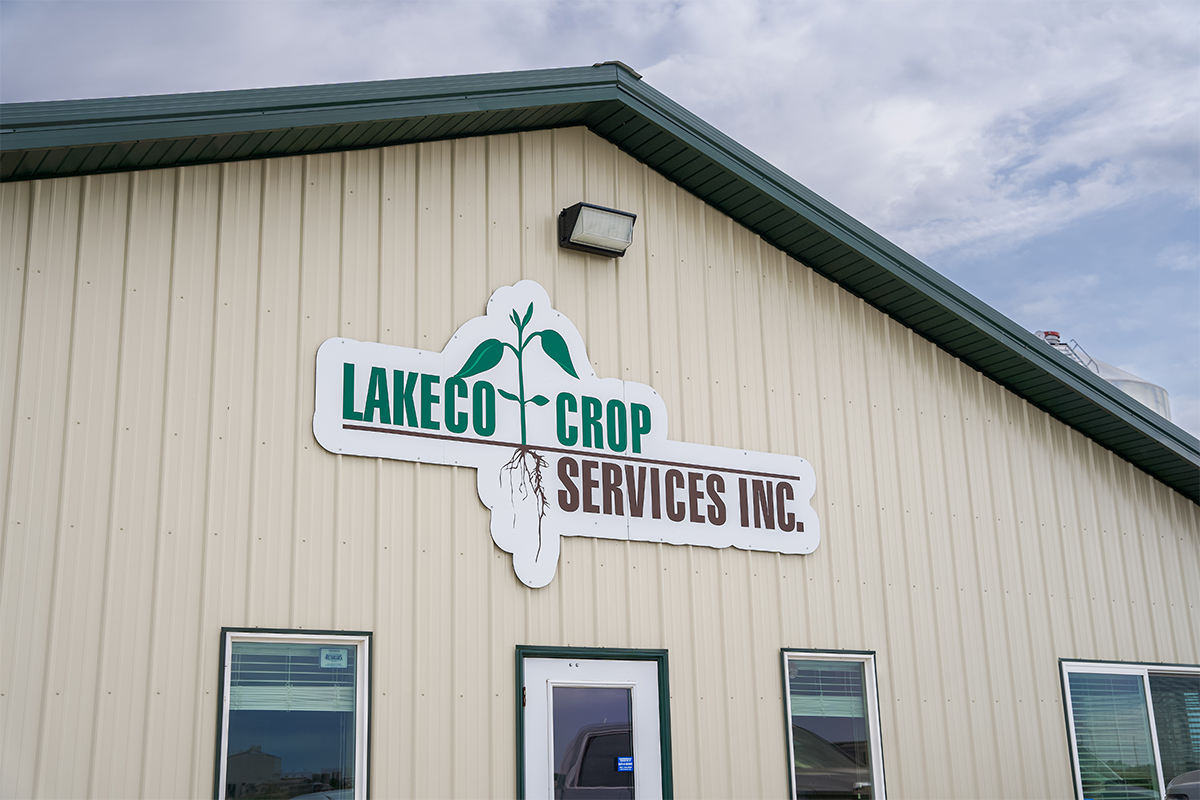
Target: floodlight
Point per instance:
(595, 229)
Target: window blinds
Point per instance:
(1112, 729)
(289, 677)
(826, 689)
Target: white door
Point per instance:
(592, 729)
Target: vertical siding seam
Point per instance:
(940, 399)
(789, 374)
(921, 529)
(56, 550)
(301, 420)
(750, 562)
(709, 425)
(1070, 648)
(415, 473)
(131, 188)
(1109, 525)
(488, 256)
(521, 222)
(693, 623)
(739, 325)
(249, 612)
(202, 633)
(1131, 486)
(871, 456)
(5, 539)
(1079, 461)
(1125, 480)
(1184, 512)
(645, 247)
(339, 466)
(378, 614)
(455, 148)
(982, 490)
(908, 531)
(842, 323)
(759, 281)
(19, 374)
(1151, 558)
(151, 672)
(620, 329)
(999, 442)
(1014, 435)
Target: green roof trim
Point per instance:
(79, 137)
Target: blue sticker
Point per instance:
(624, 763)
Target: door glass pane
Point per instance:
(593, 742)
(1112, 736)
(291, 719)
(1177, 720)
(830, 736)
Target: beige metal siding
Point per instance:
(157, 340)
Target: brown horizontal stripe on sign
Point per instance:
(577, 453)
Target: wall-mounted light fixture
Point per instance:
(595, 229)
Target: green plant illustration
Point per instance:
(526, 464)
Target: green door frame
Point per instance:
(598, 653)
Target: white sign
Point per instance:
(559, 451)
(333, 658)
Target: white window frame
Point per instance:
(639, 677)
(871, 696)
(362, 693)
(1117, 668)
(659, 658)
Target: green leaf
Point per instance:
(514, 318)
(509, 395)
(528, 315)
(556, 348)
(487, 355)
(540, 400)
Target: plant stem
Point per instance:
(521, 376)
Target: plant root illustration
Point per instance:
(524, 473)
(524, 469)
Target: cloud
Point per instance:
(966, 127)
(1179, 257)
(968, 133)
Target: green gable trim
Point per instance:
(79, 137)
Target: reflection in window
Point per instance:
(1112, 734)
(830, 728)
(1177, 721)
(291, 719)
(593, 744)
(1118, 713)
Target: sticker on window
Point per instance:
(333, 658)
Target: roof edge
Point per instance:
(75, 137)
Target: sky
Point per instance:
(1045, 156)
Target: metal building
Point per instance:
(333, 467)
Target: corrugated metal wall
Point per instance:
(157, 340)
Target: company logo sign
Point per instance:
(559, 451)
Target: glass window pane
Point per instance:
(593, 732)
(291, 719)
(1176, 701)
(830, 734)
(1112, 736)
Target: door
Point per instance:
(592, 729)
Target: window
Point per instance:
(833, 724)
(593, 722)
(1134, 728)
(293, 714)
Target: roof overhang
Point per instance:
(80, 137)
